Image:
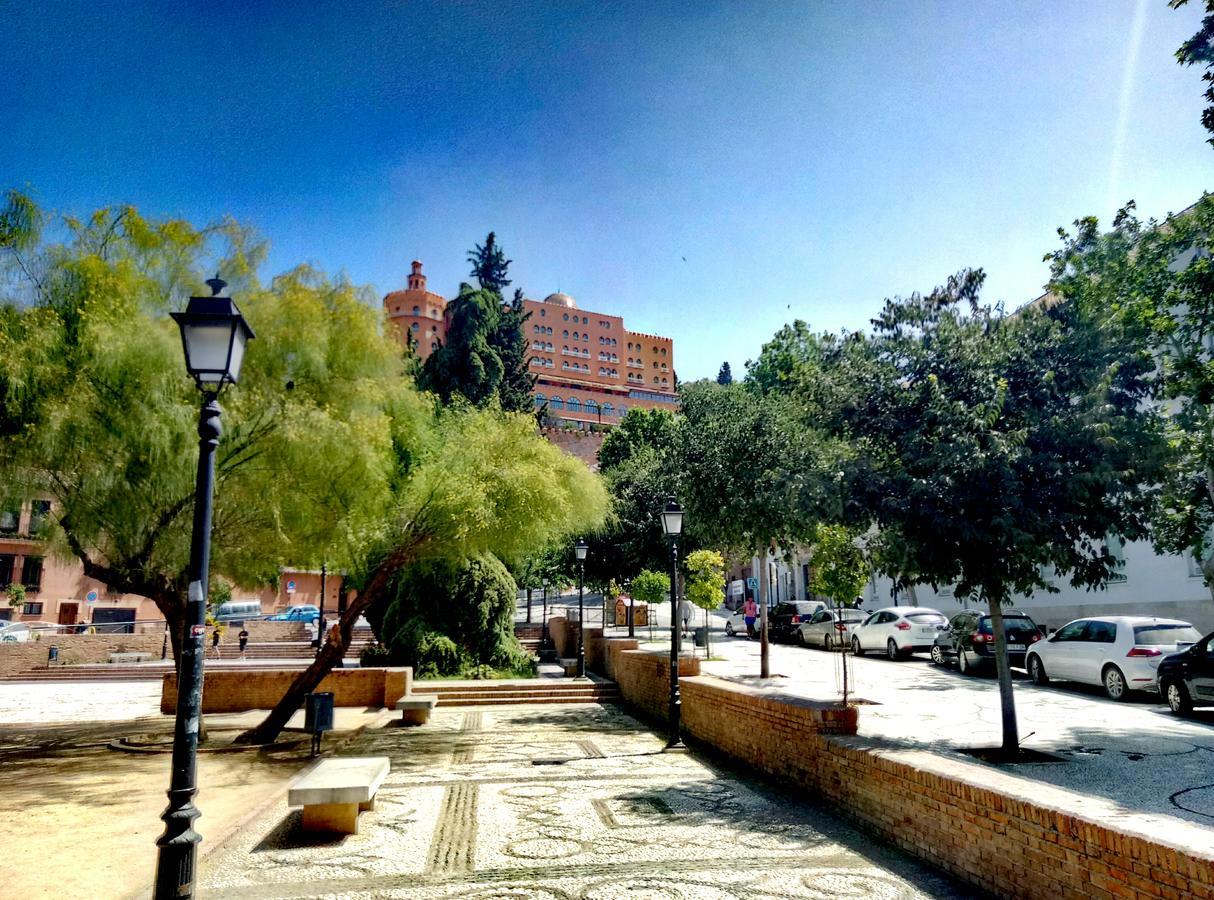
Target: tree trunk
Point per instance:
(332, 650)
(1007, 699)
(764, 591)
(528, 606)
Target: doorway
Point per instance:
(67, 613)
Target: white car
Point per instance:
(736, 623)
(830, 629)
(898, 631)
(1118, 653)
(14, 632)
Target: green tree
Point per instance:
(725, 375)
(507, 337)
(705, 586)
(839, 569)
(467, 365)
(992, 448)
(640, 428)
(1199, 50)
(651, 587)
(490, 266)
(98, 415)
(482, 482)
(1155, 281)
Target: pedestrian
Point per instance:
(244, 640)
(750, 612)
(685, 611)
(215, 642)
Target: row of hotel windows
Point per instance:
(638, 348)
(575, 405)
(540, 329)
(637, 364)
(432, 313)
(634, 378)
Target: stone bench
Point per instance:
(415, 709)
(130, 657)
(334, 791)
(570, 667)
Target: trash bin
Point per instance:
(701, 636)
(318, 716)
(52, 654)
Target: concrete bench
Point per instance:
(570, 667)
(334, 791)
(130, 657)
(415, 709)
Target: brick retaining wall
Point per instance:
(970, 819)
(74, 648)
(227, 691)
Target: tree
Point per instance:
(755, 473)
(489, 265)
(482, 482)
(839, 569)
(98, 415)
(725, 376)
(467, 365)
(651, 587)
(705, 585)
(510, 342)
(1156, 281)
(990, 449)
(1199, 49)
(639, 429)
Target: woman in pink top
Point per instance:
(750, 610)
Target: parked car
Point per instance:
(304, 613)
(14, 632)
(1119, 653)
(736, 623)
(830, 629)
(784, 620)
(898, 630)
(969, 640)
(1186, 679)
(238, 611)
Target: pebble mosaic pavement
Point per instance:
(562, 803)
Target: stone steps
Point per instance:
(473, 693)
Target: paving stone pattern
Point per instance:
(573, 802)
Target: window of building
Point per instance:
(665, 383)
(31, 573)
(630, 345)
(7, 561)
(413, 327)
(550, 364)
(540, 400)
(586, 368)
(663, 351)
(585, 320)
(536, 329)
(575, 336)
(602, 371)
(623, 410)
(575, 405)
(613, 342)
(417, 311)
(543, 313)
(655, 365)
(1116, 547)
(434, 345)
(9, 518)
(607, 410)
(556, 403)
(592, 407)
(655, 379)
(32, 609)
(566, 317)
(565, 333)
(663, 367)
(39, 511)
(585, 337)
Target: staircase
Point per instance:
(509, 693)
(529, 636)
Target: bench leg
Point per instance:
(415, 716)
(339, 818)
(368, 806)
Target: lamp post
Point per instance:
(579, 551)
(631, 608)
(672, 524)
(213, 335)
(544, 624)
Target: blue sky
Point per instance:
(709, 171)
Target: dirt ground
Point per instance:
(78, 819)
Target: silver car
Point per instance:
(830, 629)
(1118, 653)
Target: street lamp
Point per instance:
(544, 625)
(213, 335)
(672, 524)
(580, 549)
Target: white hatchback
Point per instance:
(898, 630)
(1118, 653)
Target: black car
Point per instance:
(1186, 679)
(970, 640)
(784, 620)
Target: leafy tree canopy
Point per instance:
(640, 429)
(839, 569)
(651, 587)
(1199, 50)
(705, 585)
(725, 375)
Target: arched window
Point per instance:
(413, 327)
(592, 407)
(536, 329)
(586, 368)
(655, 379)
(663, 351)
(575, 405)
(566, 317)
(565, 333)
(556, 403)
(602, 371)
(550, 329)
(540, 400)
(417, 311)
(607, 410)
(623, 410)
(585, 321)
(434, 345)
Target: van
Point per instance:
(238, 610)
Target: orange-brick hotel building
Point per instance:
(590, 370)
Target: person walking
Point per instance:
(750, 612)
(215, 642)
(685, 612)
(244, 640)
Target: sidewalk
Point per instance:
(80, 820)
(561, 802)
